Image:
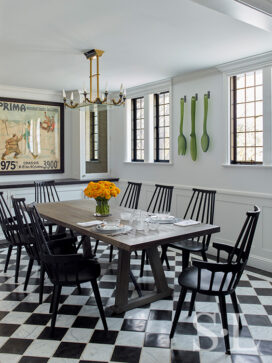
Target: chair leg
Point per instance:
(55, 308)
(50, 230)
(42, 273)
(99, 303)
(18, 258)
(185, 259)
(29, 269)
(52, 300)
(142, 263)
(236, 309)
(164, 256)
(224, 318)
(111, 252)
(96, 245)
(192, 303)
(136, 285)
(204, 256)
(179, 306)
(136, 254)
(8, 258)
(79, 288)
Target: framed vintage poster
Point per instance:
(31, 137)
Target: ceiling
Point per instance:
(41, 42)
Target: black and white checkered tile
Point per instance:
(140, 335)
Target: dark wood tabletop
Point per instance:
(69, 213)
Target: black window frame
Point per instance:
(157, 126)
(134, 130)
(233, 128)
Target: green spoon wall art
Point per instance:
(182, 143)
(205, 140)
(193, 147)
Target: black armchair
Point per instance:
(65, 270)
(219, 279)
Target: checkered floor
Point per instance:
(139, 335)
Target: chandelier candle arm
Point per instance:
(92, 54)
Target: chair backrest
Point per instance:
(161, 199)
(25, 228)
(62, 268)
(7, 222)
(229, 273)
(45, 191)
(201, 208)
(131, 196)
(242, 247)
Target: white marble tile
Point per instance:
(185, 342)
(137, 314)
(113, 323)
(255, 309)
(62, 360)
(27, 331)
(261, 332)
(3, 341)
(158, 326)
(78, 335)
(6, 305)
(64, 321)
(162, 305)
(131, 339)
(89, 310)
(9, 358)
(214, 357)
(42, 348)
(155, 355)
(97, 352)
(261, 284)
(76, 300)
(15, 317)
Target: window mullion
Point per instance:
(267, 109)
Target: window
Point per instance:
(161, 127)
(137, 123)
(94, 133)
(247, 118)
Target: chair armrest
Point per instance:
(62, 259)
(216, 267)
(223, 247)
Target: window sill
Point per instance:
(148, 163)
(244, 166)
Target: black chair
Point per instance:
(220, 279)
(160, 202)
(65, 270)
(200, 208)
(58, 243)
(10, 230)
(130, 200)
(46, 192)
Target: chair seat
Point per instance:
(189, 278)
(85, 271)
(61, 247)
(188, 245)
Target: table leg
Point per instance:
(121, 295)
(86, 246)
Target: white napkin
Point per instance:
(186, 223)
(90, 223)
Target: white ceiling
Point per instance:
(41, 41)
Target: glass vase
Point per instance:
(102, 208)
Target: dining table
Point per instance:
(69, 213)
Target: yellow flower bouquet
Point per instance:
(102, 191)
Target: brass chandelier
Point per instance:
(97, 101)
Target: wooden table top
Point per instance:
(69, 213)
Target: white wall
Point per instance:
(238, 187)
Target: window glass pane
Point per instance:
(247, 117)
(137, 129)
(240, 124)
(161, 126)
